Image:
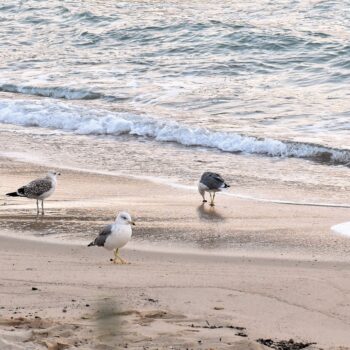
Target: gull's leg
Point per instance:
(120, 258)
(42, 207)
(204, 200)
(116, 257)
(37, 207)
(212, 200)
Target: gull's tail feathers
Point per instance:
(91, 244)
(19, 193)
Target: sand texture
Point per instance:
(283, 275)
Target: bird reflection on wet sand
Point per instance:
(209, 213)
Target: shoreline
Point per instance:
(250, 176)
(22, 158)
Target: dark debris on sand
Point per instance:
(284, 344)
(151, 300)
(241, 330)
(209, 326)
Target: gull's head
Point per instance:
(53, 174)
(124, 218)
(201, 188)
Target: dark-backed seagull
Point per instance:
(39, 189)
(115, 236)
(212, 183)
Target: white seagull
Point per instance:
(212, 183)
(115, 236)
(39, 189)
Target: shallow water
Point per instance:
(274, 70)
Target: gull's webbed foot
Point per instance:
(117, 261)
(123, 261)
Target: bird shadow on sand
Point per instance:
(208, 213)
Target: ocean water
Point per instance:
(258, 91)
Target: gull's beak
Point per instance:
(132, 223)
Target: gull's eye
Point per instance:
(124, 217)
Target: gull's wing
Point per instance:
(101, 238)
(213, 181)
(35, 188)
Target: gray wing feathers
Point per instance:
(212, 180)
(35, 188)
(101, 238)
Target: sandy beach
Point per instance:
(132, 102)
(56, 293)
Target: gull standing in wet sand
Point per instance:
(115, 236)
(39, 189)
(212, 183)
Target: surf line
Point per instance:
(241, 196)
(24, 158)
(166, 182)
(286, 202)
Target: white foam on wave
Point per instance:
(81, 120)
(343, 228)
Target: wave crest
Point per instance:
(80, 120)
(55, 92)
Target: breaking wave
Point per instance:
(55, 92)
(80, 120)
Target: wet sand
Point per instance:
(283, 275)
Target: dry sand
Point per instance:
(60, 294)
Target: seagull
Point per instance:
(39, 189)
(115, 236)
(212, 183)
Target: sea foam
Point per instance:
(82, 120)
(343, 228)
